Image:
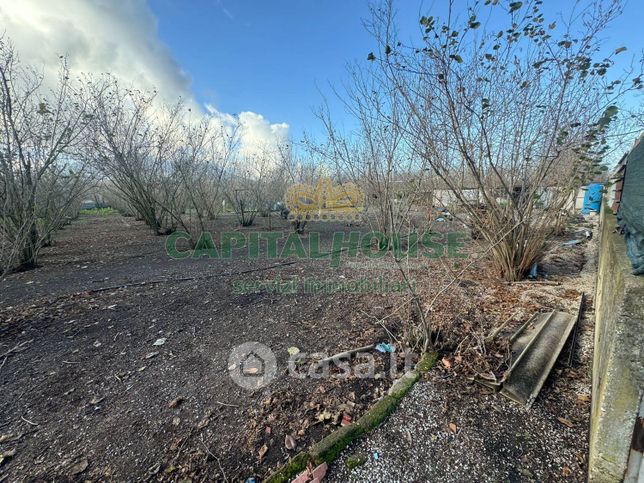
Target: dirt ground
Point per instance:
(87, 395)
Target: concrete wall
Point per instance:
(618, 371)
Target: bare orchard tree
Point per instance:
(376, 155)
(506, 113)
(41, 138)
(59, 197)
(245, 186)
(136, 146)
(296, 168)
(209, 149)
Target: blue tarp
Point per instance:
(593, 198)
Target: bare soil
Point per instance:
(86, 394)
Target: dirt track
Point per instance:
(79, 388)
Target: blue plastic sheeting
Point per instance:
(593, 198)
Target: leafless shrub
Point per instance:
(208, 152)
(297, 168)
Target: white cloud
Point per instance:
(97, 36)
(115, 36)
(257, 134)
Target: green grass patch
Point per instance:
(99, 211)
(287, 472)
(427, 362)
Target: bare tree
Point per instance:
(59, 197)
(246, 185)
(209, 150)
(297, 168)
(136, 146)
(505, 114)
(42, 171)
(376, 155)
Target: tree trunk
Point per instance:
(29, 254)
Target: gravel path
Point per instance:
(495, 440)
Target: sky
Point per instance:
(279, 57)
(274, 57)
(269, 61)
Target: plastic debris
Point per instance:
(375, 456)
(384, 347)
(533, 271)
(571, 243)
(160, 341)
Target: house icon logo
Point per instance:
(252, 365)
